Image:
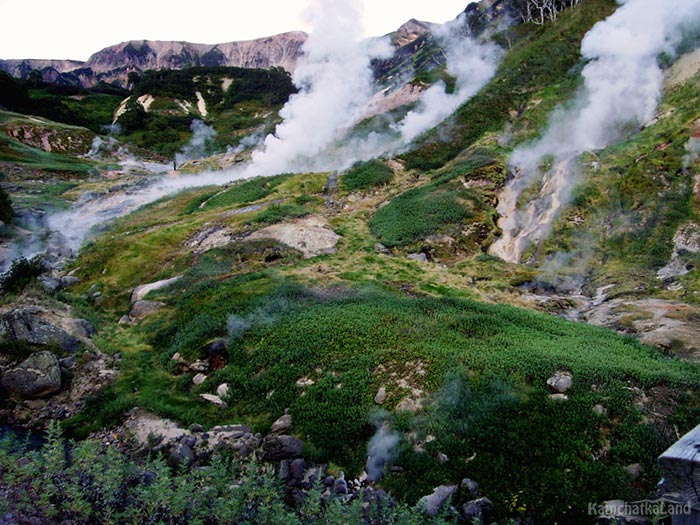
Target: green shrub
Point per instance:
(6, 211)
(21, 273)
(421, 212)
(279, 213)
(367, 175)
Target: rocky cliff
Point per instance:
(114, 63)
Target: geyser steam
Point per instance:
(622, 86)
(335, 81)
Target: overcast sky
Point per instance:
(75, 29)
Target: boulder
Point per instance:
(81, 328)
(140, 292)
(478, 511)
(199, 379)
(282, 425)
(418, 257)
(223, 390)
(381, 249)
(561, 381)
(24, 324)
(143, 309)
(181, 454)
(381, 396)
(278, 448)
(37, 376)
(441, 495)
(216, 400)
(471, 487)
(559, 397)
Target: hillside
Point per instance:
(420, 301)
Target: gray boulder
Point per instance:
(561, 381)
(143, 309)
(441, 495)
(282, 425)
(477, 511)
(24, 324)
(37, 376)
(277, 448)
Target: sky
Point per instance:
(75, 29)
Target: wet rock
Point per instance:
(140, 292)
(143, 309)
(282, 425)
(441, 495)
(561, 382)
(478, 511)
(277, 448)
(24, 324)
(37, 376)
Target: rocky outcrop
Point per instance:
(37, 376)
(140, 292)
(433, 503)
(312, 236)
(27, 325)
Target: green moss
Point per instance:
(367, 175)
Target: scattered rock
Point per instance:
(443, 458)
(634, 471)
(69, 280)
(125, 319)
(216, 400)
(561, 382)
(49, 284)
(277, 448)
(418, 257)
(559, 397)
(380, 398)
(282, 425)
(441, 495)
(408, 405)
(223, 390)
(143, 309)
(181, 455)
(340, 486)
(201, 367)
(471, 487)
(199, 379)
(142, 291)
(478, 511)
(599, 410)
(305, 382)
(37, 376)
(81, 328)
(381, 249)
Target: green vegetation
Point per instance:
(21, 273)
(438, 207)
(279, 213)
(543, 57)
(6, 211)
(87, 484)
(367, 175)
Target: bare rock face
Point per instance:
(25, 324)
(311, 235)
(410, 32)
(37, 376)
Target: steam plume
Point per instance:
(381, 448)
(335, 82)
(197, 147)
(622, 87)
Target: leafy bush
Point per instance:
(21, 273)
(367, 175)
(6, 211)
(88, 484)
(279, 213)
(421, 212)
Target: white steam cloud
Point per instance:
(381, 449)
(472, 64)
(622, 86)
(198, 146)
(335, 81)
